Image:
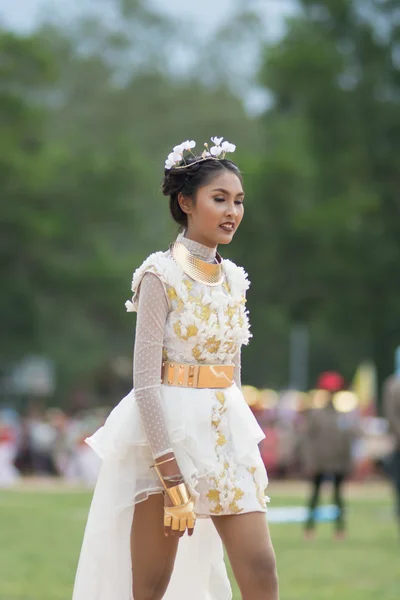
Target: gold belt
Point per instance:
(197, 376)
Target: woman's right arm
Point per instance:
(152, 314)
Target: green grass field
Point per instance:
(41, 531)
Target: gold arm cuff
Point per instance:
(160, 477)
(158, 464)
(178, 494)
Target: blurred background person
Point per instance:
(80, 464)
(9, 475)
(391, 407)
(327, 447)
(42, 439)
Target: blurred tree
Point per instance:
(62, 215)
(327, 202)
(89, 112)
(81, 206)
(104, 92)
(25, 70)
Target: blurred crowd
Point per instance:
(302, 430)
(299, 430)
(48, 443)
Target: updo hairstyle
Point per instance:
(190, 179)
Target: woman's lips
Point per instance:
(229, 227)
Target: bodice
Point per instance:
(205, 325)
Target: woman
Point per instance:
(183, 445)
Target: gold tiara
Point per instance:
(177, 159)
(202, 158)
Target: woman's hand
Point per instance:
(184, 517)
(177, 517)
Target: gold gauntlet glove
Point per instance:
(181, 515)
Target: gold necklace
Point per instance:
(209, 273)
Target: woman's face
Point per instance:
(216, 215)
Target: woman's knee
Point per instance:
(262, 571)
(152, 587)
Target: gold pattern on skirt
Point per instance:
(223, 490)
(260, 492)
(222, 484)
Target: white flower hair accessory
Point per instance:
(177, 159)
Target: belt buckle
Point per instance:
(178, 374)
(197, 376)
(221, 374)
(193, 376)
(214, 376)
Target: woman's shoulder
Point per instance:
(156, 261)
(236, 276)
(160, 264)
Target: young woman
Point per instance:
(183, 444)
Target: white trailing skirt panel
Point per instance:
(215, 439)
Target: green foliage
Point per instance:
(63, 213)
(328, 183)
(88, 114)
(84, 138)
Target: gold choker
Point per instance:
(209, 273)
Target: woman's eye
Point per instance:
(220, 199)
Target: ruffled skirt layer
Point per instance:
(215, 439)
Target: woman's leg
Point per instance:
(153, 554)
(249, 547)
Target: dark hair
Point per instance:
(190, 179)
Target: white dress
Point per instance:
(213, 433)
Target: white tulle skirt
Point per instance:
(215, 439)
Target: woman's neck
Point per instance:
(198, 249)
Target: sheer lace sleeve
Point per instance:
(147, 360)
(238, 368)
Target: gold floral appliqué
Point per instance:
(260, 492)
(223, 492)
